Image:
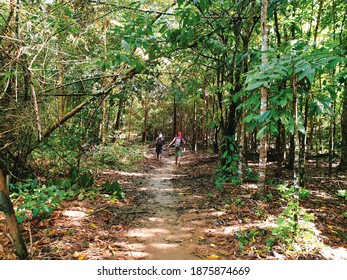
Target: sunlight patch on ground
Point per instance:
(322, 194)
(163, 246)
(218, 213)
(156, 219)
(249, 186)
(74, 214)
(131, 246)
(334, 254)
(123, 173)
(147, 233)
(133, 255)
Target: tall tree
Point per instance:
(263, 101)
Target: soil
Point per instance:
(176, 213)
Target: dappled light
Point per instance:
(193, 130)
(73, 214)
(169, 214)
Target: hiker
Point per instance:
(179, 142)
(159, 143)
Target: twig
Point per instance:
(97, 211)
(136, 212)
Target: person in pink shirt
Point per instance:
(179, 142)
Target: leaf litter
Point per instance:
(177, 213)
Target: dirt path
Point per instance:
(164, 234)
(176, 213)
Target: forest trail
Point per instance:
(165, 233)
(177, 213)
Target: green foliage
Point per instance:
(228, 169)
(120, 156)
(40, 199)
(288, 228)
(251, 176)
(288, 192)
(342, 193)
(114, 189)
(245, 237)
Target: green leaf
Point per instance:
(80, 196)
(225, 154)
(248, 118)
(280, 221)
(47, 209)
(283, 102)
(262, 132)
(254, 86)
(126, 46)
(264, 116)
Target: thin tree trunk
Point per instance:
(263, 101)
(195, 140)
(119, 114)
(343, 162)
(36, 108)
(280, 147)
(174, 119)
(296, 174)
(331, 145)
(61, 90)
(104, 122)
(144, 135)
(203, 111)
(303, 146)
(242, 145)
(6, 207)
(318, 20)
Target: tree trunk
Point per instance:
(318, 20)
(296, 173)
(104, 122)
(195, 140)
(36, 107)
(263, 102)
(145, 122)
(174, 132)
(242, 145)
(11, 220)
(119, 114)
(303, 148)
(280, 147)
(343, 162)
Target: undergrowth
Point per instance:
(37, 199)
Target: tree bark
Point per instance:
(280, 147)
(343, 162)
(11, 220)
(296, 173)
(263, 102)
(174, 131)
(195, 140)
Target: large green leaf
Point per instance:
(254, 85)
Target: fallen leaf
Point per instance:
(213, 257)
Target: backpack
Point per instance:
(178, 142)
(160, 141)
